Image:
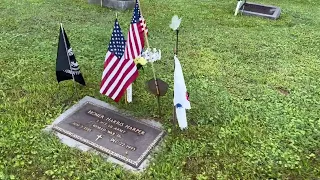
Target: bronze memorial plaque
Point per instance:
(110, 132)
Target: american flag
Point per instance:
(135, 42)
(118, 72)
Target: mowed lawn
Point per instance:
(254, 86)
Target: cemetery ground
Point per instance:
(253, 83)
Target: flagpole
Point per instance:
(176, 51)
(176, 54)
(65, 45)
(152, 67)
(125, 97)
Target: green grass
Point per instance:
(243, 124)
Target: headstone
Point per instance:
(114, 4)
(93, 124)
(255, 9)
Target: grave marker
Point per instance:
(255, 9)
(114, 4)
(112, 133)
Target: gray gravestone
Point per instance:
(114, 4)
(95, 124)
(255, 9)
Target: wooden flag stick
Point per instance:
(152, 67)
(125, 97)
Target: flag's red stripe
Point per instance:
(109, 72)
(126, 85)
(112, 81)
(131, 66)
(139, 38)
(126, 51)
(123, 75)
(130, 45)
(106, 62)
(129, 48)
(141, 35)
(136, 42)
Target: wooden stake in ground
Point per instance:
(153, 70)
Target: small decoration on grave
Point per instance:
(152, 56)
(175, 22)
(147, 56)
(140, 62)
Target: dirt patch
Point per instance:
(283, 90)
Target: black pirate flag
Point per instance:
(66, 65)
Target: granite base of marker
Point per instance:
(85, 148)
